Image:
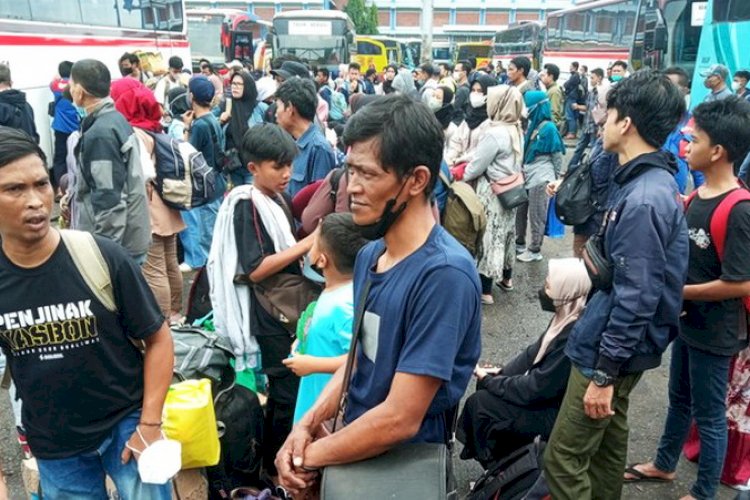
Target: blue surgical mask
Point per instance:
(82, 113)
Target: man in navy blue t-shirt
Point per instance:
(420, 337)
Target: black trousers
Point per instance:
(490, 427)
(282, 396)
(59, 167)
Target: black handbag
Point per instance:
(232, 161)
(510, 190)
(417, 470)
(598, 265)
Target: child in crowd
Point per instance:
(326, 343)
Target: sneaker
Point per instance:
(487, 299)
(520, 249)
(528, 256)
(184, 268)
(505, 286)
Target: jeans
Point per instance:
(587, 138)
(585, 457)
(571, 116)
(196, 238)
(697, 390)
(534, 214)
(82, 477)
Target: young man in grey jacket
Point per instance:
(110, 190)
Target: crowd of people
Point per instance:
(400, 292)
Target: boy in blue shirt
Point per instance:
(326, 343)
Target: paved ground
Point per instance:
(513, 322)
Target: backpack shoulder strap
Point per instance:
(690, 198)
(445, 179)
(335, 181)
(720, 218)
(91, 265)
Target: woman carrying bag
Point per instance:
(498, 157)
(238, 117)
(543, 158)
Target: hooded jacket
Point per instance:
(111, 192)
(15, 112)
(627, 328)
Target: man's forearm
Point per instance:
(157, 374)
(327, 405)
(716, 291)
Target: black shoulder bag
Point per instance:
(417, 470)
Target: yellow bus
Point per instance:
(481, 51)
(377, 52)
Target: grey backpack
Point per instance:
(199, 354)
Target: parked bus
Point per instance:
(414, 49)
(523, 39)
(371, 51)
(222, 35)
(724, 39)
(644, 33)
(36, 36)
(441, 52)
(323, 38)
(481, 51)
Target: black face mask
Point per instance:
(546, 302)
(377, 229)
(126, 71)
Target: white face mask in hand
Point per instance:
(160, 461)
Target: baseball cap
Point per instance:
(202, 89)
(291, 69)
(235, 64)
(717, 69)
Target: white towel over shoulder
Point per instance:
(231, 302)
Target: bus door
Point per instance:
(650, 39)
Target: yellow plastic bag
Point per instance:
(190, 419)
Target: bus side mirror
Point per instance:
(661, 38)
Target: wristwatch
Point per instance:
(601, 379)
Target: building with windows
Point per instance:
(453, 20)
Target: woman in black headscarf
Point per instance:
(464, 141)
(244, 101)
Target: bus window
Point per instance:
(366, 48)
(53, 10)
(15, 9)
(574, 30)
(553, 32)
(626, 22)
(731, 11)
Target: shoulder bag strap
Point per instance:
(91, 265)
(359, 315)
(720, 218)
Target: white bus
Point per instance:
(36, 35)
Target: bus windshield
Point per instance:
(205, 38)
(441, 53)
(479, 51)
(325, 50)
(684, 33)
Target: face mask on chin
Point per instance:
(377, 229)
(545, 301)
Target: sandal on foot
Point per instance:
(640, 477)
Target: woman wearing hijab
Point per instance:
(543, 157)
(499, 155)
(403, 83)
(390, 73)
(441, 103)
(466, 138)
(240, 116)
(161, 270)
(516, 403)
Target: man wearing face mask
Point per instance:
(617, 71)
(174, 79)
(420, 336)
(461, 76)
(715, 79)
(111, 191)
(130, 66)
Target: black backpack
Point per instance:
(574, 201)
(512, 477)
(239, 417)
(199, 298)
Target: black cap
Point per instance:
(291, 69)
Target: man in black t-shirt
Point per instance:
(89, 396)
(714, 323)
